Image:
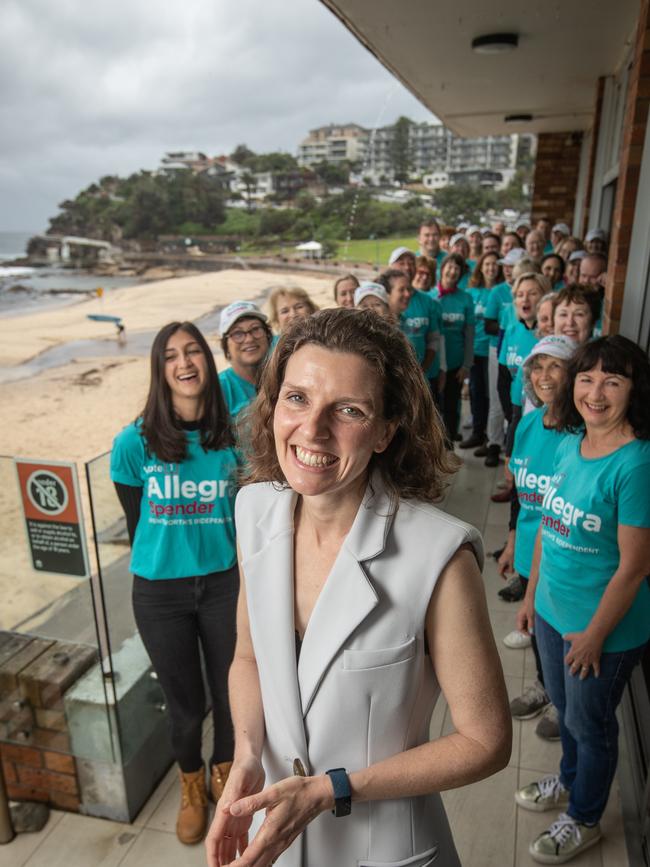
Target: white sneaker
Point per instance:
(517, 640)
(565, 839)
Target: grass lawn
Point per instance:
(373, 252)
(376, 252)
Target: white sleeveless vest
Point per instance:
(363, 689)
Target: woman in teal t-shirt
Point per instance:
(175, 471)
(592, 598)
(486, 275)
(531, 465)
(458, 331)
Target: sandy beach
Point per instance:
(72, 412)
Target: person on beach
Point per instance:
(344, 289)
(588, 596)
(358, 598)
(245, 341)
(175, 472)
(288, 304)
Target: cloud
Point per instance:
(99, 88)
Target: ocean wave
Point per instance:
(15, 271)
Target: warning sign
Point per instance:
(53, 519)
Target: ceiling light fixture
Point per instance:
(495, 43)
(518, 118)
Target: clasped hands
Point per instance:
(585, 647)
(290, 805)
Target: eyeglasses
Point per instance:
(240, 335)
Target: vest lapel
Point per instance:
(269, 582)
(348, 595)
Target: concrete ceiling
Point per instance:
(564, 47)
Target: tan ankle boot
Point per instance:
(218, 778)
(193, 814)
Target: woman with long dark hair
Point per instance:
(486, 275)
(588, 594)
(175, 471)
(458, 331)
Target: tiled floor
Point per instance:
(489, 830)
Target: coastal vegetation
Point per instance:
(318, 204)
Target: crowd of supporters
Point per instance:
(511, 318)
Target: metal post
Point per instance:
(7, 832)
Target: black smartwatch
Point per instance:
(342, 791)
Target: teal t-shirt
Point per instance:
(457, 314)
(531, 463)
(187, 524)
(237, 392)
(480, 296)
(517, 343)
(419, 321)
(587, 500)
(517, 395)
(500, 295)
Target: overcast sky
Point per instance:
(107, 87)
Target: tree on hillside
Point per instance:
(400, 149)
(250, 183)
(242, 154)
(333, 174)
(463, 202)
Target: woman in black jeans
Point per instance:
(175, 471)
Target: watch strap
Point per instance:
(342, 791)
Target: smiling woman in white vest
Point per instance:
(360, 601)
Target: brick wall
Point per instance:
(556, 176)
(593, 148)
(34, 738)
(634, 127)
(39, 775)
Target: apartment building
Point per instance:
(433, 149)
(333, 144)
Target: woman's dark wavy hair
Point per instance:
(617, 355)
(161, 427)
(477, 279)
(554, 256)
(416, 463)
(458, 259)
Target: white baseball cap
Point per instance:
(513, 256)
(577, 255)
(397, 253)
(595, 235)
(522, 224)
(555, 345)
(472, 229)
(370, 288)
(238, 310)
(562, 228)
(459, 236)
